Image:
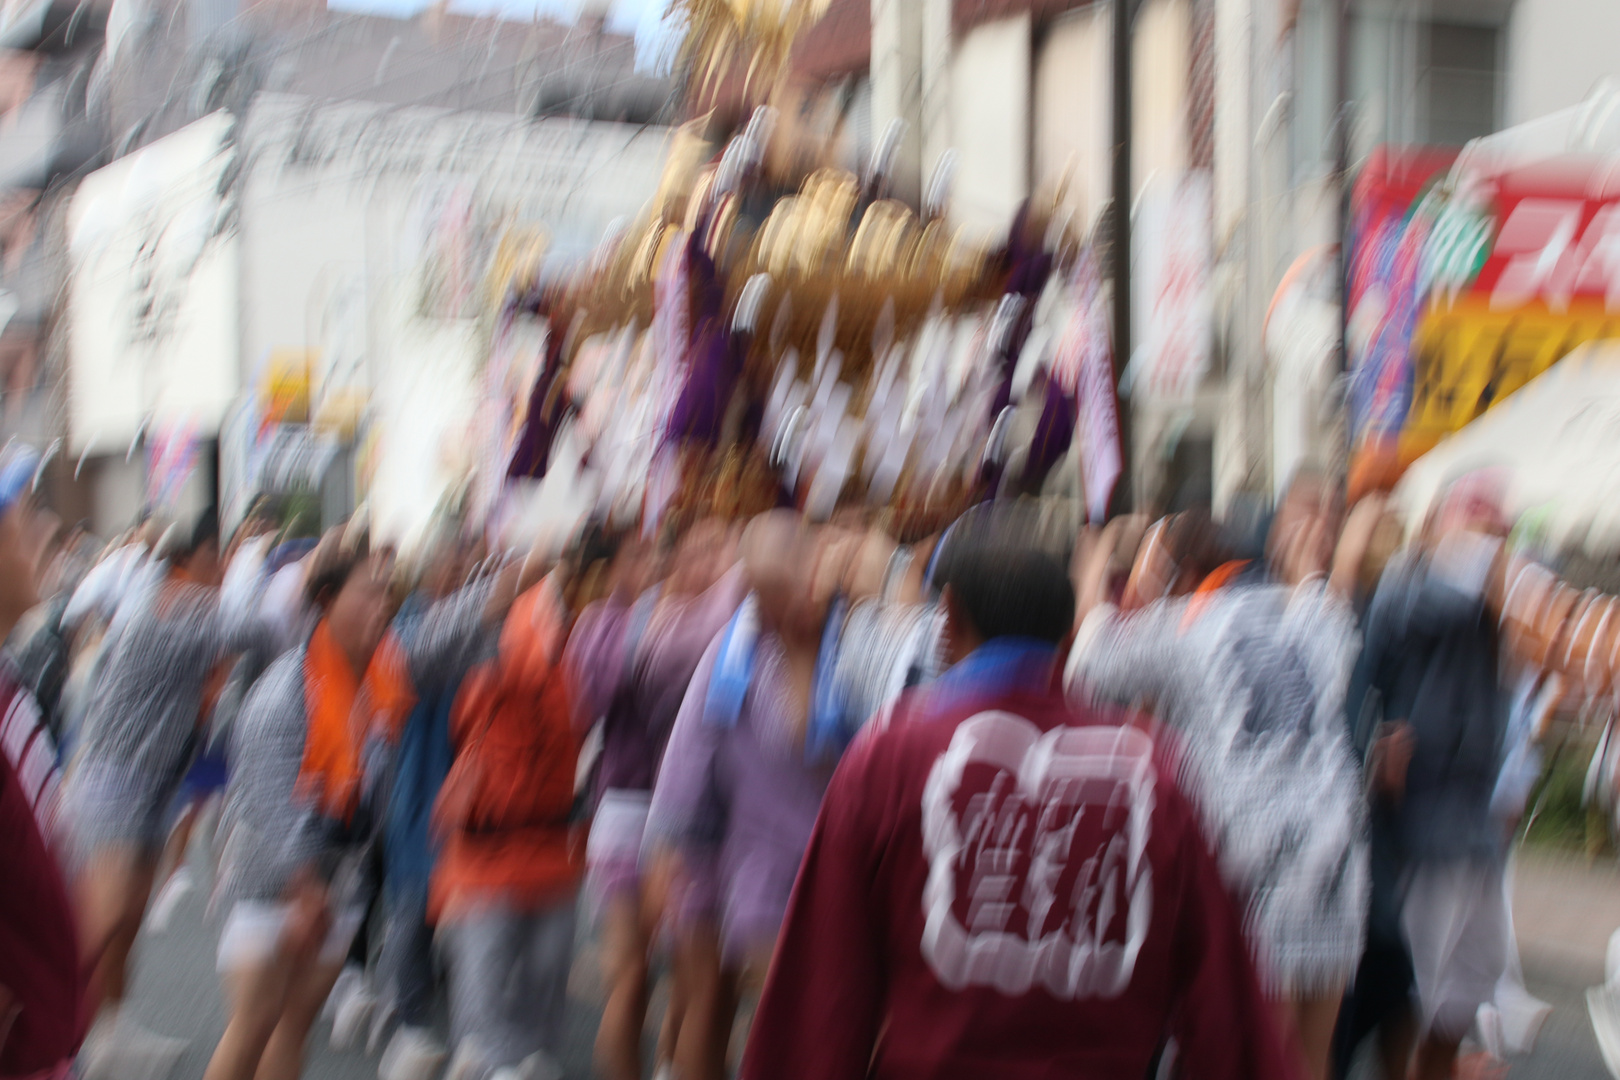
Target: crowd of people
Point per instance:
(1156, 799)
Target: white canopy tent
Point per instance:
(1557, 442)
(1592, 127)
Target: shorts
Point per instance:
(206, 776)
(112, 806)
(253, 929)
(613, 850)
(1457, 926)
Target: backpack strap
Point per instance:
(829, 730)
(733, 666)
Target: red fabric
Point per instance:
(858, 986)
(39, 948)
(504, 808)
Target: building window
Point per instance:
(1459, 83)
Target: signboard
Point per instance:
(1479, 285)
(1384, 287)
(152, 290)
(284, 390)
(293, 457)
(1469, 357)
(1549, 282)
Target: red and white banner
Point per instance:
(1558, 236)
(1173, 310)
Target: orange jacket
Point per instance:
(503, 813)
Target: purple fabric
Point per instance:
(609, 879)
(532, 455)
(744, 794)
(711, 375)
(714, 355)
(640, 718)
(1028, 267)
(1029, 264)
(1053, 434)
(594, 658)
(694, 900)
(708, 295)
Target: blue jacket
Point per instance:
(1431, 654)
(421, 761)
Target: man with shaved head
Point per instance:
(758, 734)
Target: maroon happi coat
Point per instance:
(999, 885)
(41, 973)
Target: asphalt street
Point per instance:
(177, 994)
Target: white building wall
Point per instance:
(1557, 52)
(117, 490)
(937, 43)
(897, 86)
(990, 124)
(339, 221)
(1072, 112)
(1160, 61)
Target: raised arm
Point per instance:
(1128, 659)
(1355, 539)
(243, 622)
(446, 640)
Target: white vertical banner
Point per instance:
(1172, 308)
(1084, 368)
(152, 290)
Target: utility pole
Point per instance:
(1120, 241)
(1341, 166)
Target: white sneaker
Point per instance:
(351, 976)
(351, 1017)
(1521, 1014)
(382, 1024)
(1603, 1005)
(537, 1066)
(168, 900)
(412, 1054)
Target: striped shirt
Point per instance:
(145, 710)
(29, 748)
